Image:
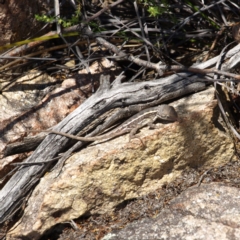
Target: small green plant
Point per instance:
(154, 8)
(44, 18)
(63, 21)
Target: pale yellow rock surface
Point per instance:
(101, 176)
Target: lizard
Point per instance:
(146, 117)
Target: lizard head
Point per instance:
(167, 112)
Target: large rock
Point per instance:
(206, 212)
(101, 176)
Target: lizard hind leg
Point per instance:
(132, 135)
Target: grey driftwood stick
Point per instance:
(107, 97)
